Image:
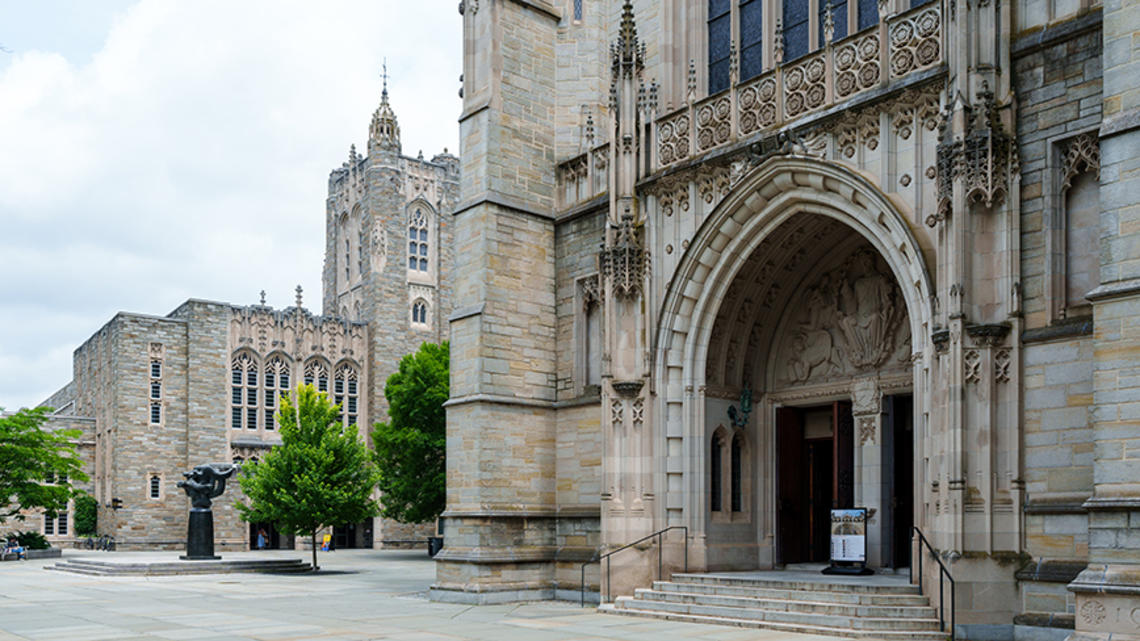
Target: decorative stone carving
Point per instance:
(865, 397)
(156, 350)
(915, 42)
(589, 291)
(714, 123)
(988, 335)
(971, 366)
(981, 159)
(673, 138)
(757, 104)
(1001, 365)
(867, 430)
(1093, 612)
(637, 413)
(804, 86)
(1081, 154)
(857, 66)
(624, 261)
(851, 320)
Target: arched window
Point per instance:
(714, 474)
(361, 244)
(418, 241)
(419, 312)
(345, 392)
(317, 374)
(243, 393)
(276, 382)
(737, 476)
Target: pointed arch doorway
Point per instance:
(804, 287)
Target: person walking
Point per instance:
(261, 538)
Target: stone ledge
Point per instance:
(1068, 328)
(1112, 504)
(1046, 620)
(1102, 578)
(1047, 571)
(505, 201)
(480, 595)
(497, 399)
(1119, 289)
(1055, 33)
(467, 311)
(483, 555)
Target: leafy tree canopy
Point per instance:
(320, 476)
(410, 448)
(37, 464)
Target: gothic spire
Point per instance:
(384, 133)
(628, 53)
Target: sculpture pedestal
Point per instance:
(200, 536)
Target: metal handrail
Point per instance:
(943, 572)
(659, 534)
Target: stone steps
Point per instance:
(842, 608)
(178, 568)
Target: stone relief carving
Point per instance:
(624, 260)
(915, 43)
(714, 123)
(857, 66)
(971, 364)
(589, 291)
(865, 397)
(982, 159)
(1093, 612)
(851, 320)
(867, 430)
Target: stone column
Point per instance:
(1108, 591)
(866, 408)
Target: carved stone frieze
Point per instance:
(988, 335)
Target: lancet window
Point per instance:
(316, 373)
(419, 312)
(715, 471)
(418, 241)
(276, 383)
(346, 392)
(243, 392)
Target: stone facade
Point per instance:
(903, 230)
(157, 395)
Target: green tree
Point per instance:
(37, 464)
(320, 476)
(86, 515)
(410, 448)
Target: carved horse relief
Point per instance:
(850, 321)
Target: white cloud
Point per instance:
(189, 158)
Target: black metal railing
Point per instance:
(659, 535)
(943, 574)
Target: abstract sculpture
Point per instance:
(203, 483)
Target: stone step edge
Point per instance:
(816, 586)
(244, 562)
(772, 625)
(683, 586)
(750, 601)
(865, 623)
(92, 571)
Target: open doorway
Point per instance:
(814, 447)
(898, 482)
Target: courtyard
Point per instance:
(357, 595)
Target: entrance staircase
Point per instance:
(178, 568)
(799, 600)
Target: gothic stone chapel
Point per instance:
(729, 264)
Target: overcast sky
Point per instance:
(157, 150)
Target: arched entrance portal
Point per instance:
(801, 294)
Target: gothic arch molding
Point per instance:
(780, 188)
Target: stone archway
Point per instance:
(778, 190)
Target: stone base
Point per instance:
(490, 597)
(198, 558)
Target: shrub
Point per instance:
(32, 540)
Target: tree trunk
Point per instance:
(313, 536)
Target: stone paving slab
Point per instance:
(359, 595)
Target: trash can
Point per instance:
(435, 544)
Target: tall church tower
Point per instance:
(388, 259)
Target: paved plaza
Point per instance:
(359, 594)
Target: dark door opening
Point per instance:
(898, 485)
(274, 540)
(353, 535)
(815, 454)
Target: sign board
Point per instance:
(326, 541)
(849, 535)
